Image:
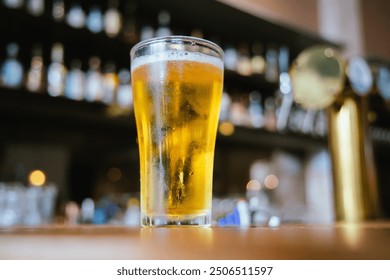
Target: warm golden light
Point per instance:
(114, 174)
(226, 128)
(37, 178)
(253, 185)
(271, 181)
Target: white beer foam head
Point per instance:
(175, 55)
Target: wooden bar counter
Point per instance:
(338, 241)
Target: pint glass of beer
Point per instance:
(177, 88)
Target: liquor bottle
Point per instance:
(36, 74)
(76, 16)
(238, 113)
(270, 114)
(12, 69)
(271, 70)
(257, 60)
(283, 59)
(94, 81)
(36, 7)
(147, 32)
(230, 57)
(112, 19)
(163, 19)
(13, 4)
(56, 72)
(110, 83)
(87, 211)
(132, 214)
(285, 90)
(244, 66)
(58, 11)
(95, 21)
(320, 124)
(32, 215)
(124, 93)
(129, 30)
(72, 213)
(255, 109)
(226, 102)
(75, 81)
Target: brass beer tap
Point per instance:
(321, 79)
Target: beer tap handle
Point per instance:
(318, 77)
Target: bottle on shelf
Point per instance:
(163, 18)
(95, 21)
(271, 69)
(244, 65)
(307, 126)
(56, 72)
(296, 118)
(230, 57)
(35, 7)
(32, 216)
(285, 89)
(110, 83)
(124, 96)
(255, 110)
(146, 32)
(76, 16)
(257, 59)
(94, 81)
(13, 4)
(35, 81)
(239, 114)
(75, 81)
(112, 19)
(270, 113)
(129, 30)
(12, 68)
(87, 211)
(58, 10)
(320, 124)
(226, 102)
(72, 213)
(131, 216)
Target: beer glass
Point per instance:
(177, 89)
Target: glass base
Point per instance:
(176, 220)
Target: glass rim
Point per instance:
(182, 38)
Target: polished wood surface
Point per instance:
(339, 241)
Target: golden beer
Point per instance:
(177, 95)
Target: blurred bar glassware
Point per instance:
(177, 87)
